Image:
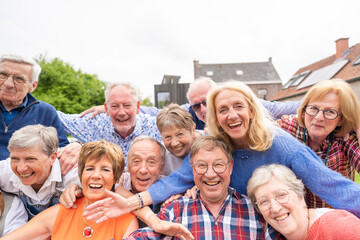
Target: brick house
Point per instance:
(261, 77)
(344, 64)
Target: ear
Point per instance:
(33, 86)
(106, 109)
(53, 158)
(231, 165)
(138, 107)
(162, 169)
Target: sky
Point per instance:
(139, 41)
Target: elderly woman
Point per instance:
(100, 164)
(329, 110)
(33, 172)
(279, 196)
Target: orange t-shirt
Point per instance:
(69, 224)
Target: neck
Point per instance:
(214, 207)
(315, 143)
(9, 105)
(303, 230)
(123, 135)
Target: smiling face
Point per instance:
(31, 165)
(12, 95)
(287, 218)
(145, 164)
(177, 140)
(233, 116)
(213, 187)
(122, 109)
(97, 176)
(318, 126)
(197, 95)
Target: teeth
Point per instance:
(25, 175)
(95, 185)
(234, 124)
(211, 183)
(123, 120)
(281, 217)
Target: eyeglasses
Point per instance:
(148, 163)
(281, 196)
(17, 79)
(218, 167)
(329, 114)
(196, 106)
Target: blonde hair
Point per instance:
(261, 128)
(348, 102)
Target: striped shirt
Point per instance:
(341, 156)
(237, 219)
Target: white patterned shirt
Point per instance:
(87, 129)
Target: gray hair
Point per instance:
(35, 135)
(263, 174)
(110, 86)
(197, 82)
(151, 139)
(36, 69)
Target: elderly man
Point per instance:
(18, 79)
(218, 212)
(146, 160)
(121, 124)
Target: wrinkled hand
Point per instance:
(191, 193)
(113, 206)
(95, 110)
(170, 229)
(170, 199)
(68, 197)
(69, 156)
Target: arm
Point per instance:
(177, 182)
(69, 156)
(277, 109)
(152, 111)
(352, 150)
(134, 225)
(40, 227)
(16, 217)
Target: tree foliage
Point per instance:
(67, 89)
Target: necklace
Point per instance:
(88, 231)
(329, 145)
(308, 226)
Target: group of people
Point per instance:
(244, 175)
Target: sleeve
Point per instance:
(82, 128)
(329, 185)
(353, 151)
(277, 109)
(177, 182)
(336, 224)
(152, 111)
(16, 217)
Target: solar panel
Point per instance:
(322, 74)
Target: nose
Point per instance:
(121, 111)
(174, 141)
(202, 108)
(210, 172)
(9, 82)
(274, 205)
(232, 113)
(143, 168)
(96, 174)
(21, 167)
(320, 115)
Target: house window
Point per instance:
(356, 61)
(163, 99)
(239, 72)
(262, 93)
(209, 73)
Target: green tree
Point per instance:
(67, 89)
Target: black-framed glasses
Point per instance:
(281, 196)
(17, 79)
(329, 114)
(196, 106)
(218, 167)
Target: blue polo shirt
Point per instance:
(10, 115)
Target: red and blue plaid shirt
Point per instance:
(237, 219)
(342, 157)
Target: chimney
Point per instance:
(196, 63)
(341, 45)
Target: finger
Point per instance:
(96, 112)
(86, 112)
(79, 193)
(97, 204)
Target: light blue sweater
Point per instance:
(329, 185)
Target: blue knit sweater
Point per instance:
(331, 186)
(35, 112)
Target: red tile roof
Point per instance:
(347, 72)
